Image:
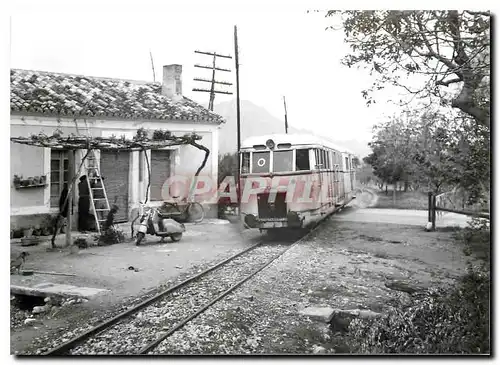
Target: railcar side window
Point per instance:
(260, 162)
(302, 160)
(245, 162)
(282, 161)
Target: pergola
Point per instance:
(141, 142)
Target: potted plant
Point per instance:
(17, 180)
(28, 232)
(43, 180)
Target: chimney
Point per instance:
(172, 82)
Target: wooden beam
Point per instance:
(465, 212)
(71, 174)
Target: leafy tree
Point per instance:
(355, 161)
(228, 166)
(439, 150)
(391, 152)
(447, 49)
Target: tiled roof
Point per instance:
(74, 95)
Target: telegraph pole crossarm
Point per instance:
(214, 68)
(213, 91)
(211, 68)
(214, 54)
(215, 81)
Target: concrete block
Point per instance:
(319, 313)
(47, 289)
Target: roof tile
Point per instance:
(64, 94)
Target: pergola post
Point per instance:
(71, 173)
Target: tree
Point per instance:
(441, 150)
(228, 166)
(446, 48)
(356, 162)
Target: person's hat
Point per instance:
(83, 177)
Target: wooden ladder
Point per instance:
(96, 190)
(93, 173)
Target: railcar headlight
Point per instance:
(270, 144)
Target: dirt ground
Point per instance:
(343, 265)
(107, 268)
(348, 262)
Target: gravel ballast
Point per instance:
(133, 333)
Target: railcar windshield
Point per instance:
(260, 162)
(282, 161)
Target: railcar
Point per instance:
(293, 180)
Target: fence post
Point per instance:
(433, 212)
(429, 212)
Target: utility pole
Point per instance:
(152, 65)
(214, 68)
(237, 66)
(286, 121)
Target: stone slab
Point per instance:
(48, 289)
(319, 313)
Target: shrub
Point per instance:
(438, 321)
(81, 243)
(110, 237)
(476, 237)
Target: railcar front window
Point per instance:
(260, 162)
(282, 161)
(302, 160)
(245, 162)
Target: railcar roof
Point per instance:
(294, 139)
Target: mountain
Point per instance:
(256, 121)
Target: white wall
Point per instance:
(186, 158)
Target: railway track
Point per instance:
(140, 329)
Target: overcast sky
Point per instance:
(281, 53)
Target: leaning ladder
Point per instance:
(94, 173)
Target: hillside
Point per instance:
(256, 120)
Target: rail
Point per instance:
(63, 348)
(73, 343)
